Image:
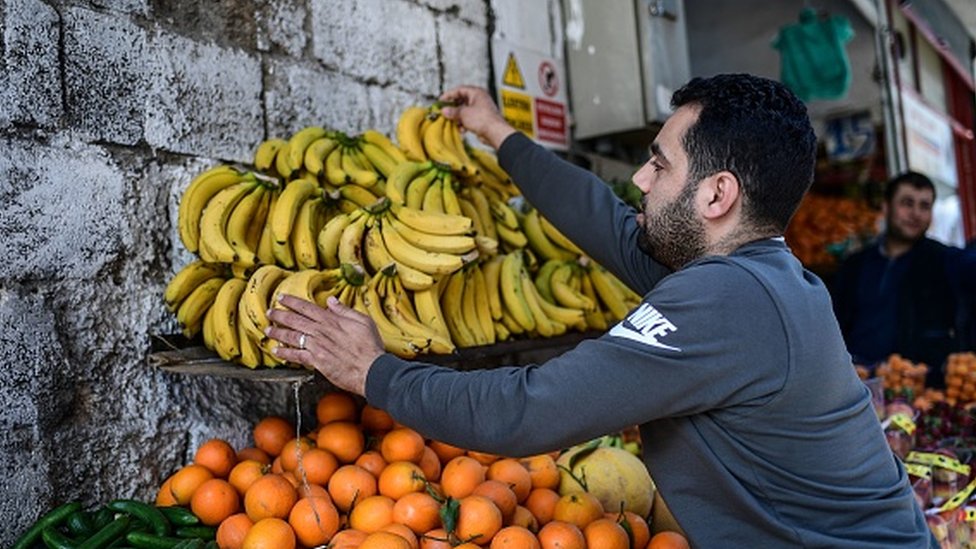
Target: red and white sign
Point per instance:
(550, 121)
(547, 106)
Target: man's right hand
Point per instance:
(476, 112)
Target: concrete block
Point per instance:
(281, 27)
(205, 100)
(138, 7)
(63, 214)
(226, 23)
(299, 96)
(464, 53)
(107, 74)
(381, 41)
(30, 76)
(472, 11)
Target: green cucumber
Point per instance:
(205, 533)
(143, 540)
(54, 539)
(179, 516)
(107, 534)
(53, 518)
(80, 524)
(149, 514)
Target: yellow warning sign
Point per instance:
(517, 110)
(513, 76)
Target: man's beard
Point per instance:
(896, 234)
(673, 235)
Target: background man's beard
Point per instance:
(672, 235)
(895, 233)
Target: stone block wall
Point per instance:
(107, 109)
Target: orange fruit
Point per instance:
(461, 476)
(270, 496)
(512, 472)
(604, 533)
(372, 461)
(542, 503)
(468, 545)
(372, 513)
(668, 540)
(542, 470)
(215, 500)
(231, 532)
(446, 452)
(186, 481)
(271, 434)
(502, 496)
(350, 484)
(269, 533)
(276, 467)
(292, 451)
(640, 531)
(256, 454)
(384, 540)
(315, 520)
(375, 420)
(579, 509)
(319, 465)
(344, 439)
(403, 532)
(403, 444)
(435, 539)
(524, 518)
(336, 406)
(312, 491)
(561, 535)
(217, 455)
(400, 478)
(165, 497)
(483, 458)
(245, 473)
(417, 511)
(430, 464)
(514, 537)
(348, 537)
(478, 520)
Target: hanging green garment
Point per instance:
(814, 61)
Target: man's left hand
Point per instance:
(337, 341)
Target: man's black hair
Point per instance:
(757, 129)
(912, 179)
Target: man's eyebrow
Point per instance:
(657, 152)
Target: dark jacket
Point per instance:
(926, 314)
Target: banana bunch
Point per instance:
(614, 297)
(191, 292)
(545, 240)
(491, 177)
(424, 134)
(465, 302)
(199, 193)
(588, 287)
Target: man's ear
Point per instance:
(719, 193)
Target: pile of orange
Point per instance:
(359, 479)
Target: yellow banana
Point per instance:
(195, 198)
(408, 133)
(452, 244)
(283, 162)
(437, 149)
(417, 189)
(208, 330)
(361, 175)
(427, 304)
(594, 317)
(501, 332)
(432, 263)
(543, 324)
(564, 294)
(450, 199)
(316, 153)
(334, 173)
(558, 238)
(303, 285)
(378, 158)
(351, 242)
(610, 295)
(504, 214)
(240, 223)
(377, 256)
(226, 333)
(509, 322)
(255, 301)
(490, 164)
(299, 142)
(468, 210)
(359, 196)
(252, 238)
(434, 198)
(538, 240)
(432, 223)
(492, 272)
(187, 280)
(455, 144)
(382, 142)
(515, 238)
(191, 310)
(394, 339)
(401, 176)
(213, 223)
(283, 217)
(543, 279)
(452, 303)
(265, 254)
(469, 310)
(304, 232)
(327, 241)
(481, 303)
(480, 201)
(251, 356)
(513, 295)
(401, 312)
(264, 155)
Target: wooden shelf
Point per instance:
(178, 355)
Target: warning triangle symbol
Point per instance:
(513, 76)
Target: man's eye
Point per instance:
(657, 167)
